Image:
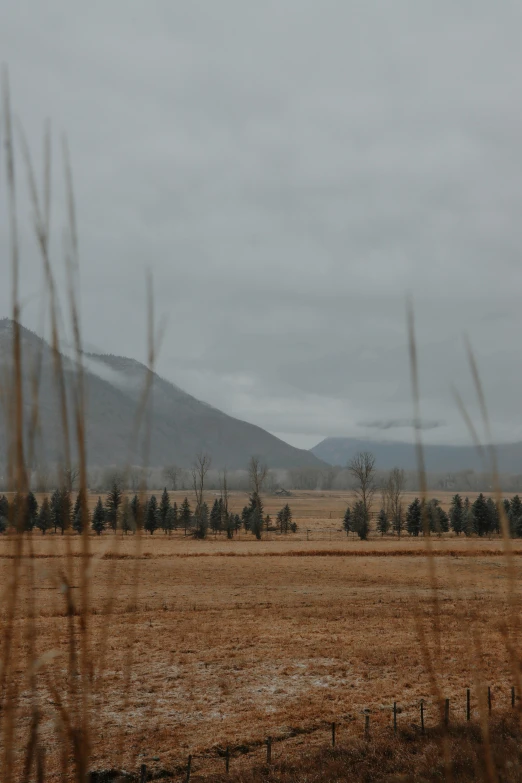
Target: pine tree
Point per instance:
(493, 516)
(360, 521)
(136, 511)
(245, 517)
(215, 517)
(480, 515)
(383, 522)
(468, 517)
(164, 509)
(112, 505)
(201, 522)
(515, 515)
(185, 516)
(256, 502)
(347, 520)
(230, 525)
(172, 519)
(98, 518)
(456, 515)
(398, 520)
(127, 520)
(414, 518)
(4, 507)
(31, 511)
(61, 510)
(79, 505)
(151, 515)
(438, 520)
(45, 519)
(256, 523)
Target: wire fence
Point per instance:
(423, 716)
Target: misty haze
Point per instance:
(260, 435)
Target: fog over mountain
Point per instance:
(288, 172)
(178, 425)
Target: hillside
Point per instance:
(179, 425)
(438, 458)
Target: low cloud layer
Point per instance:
(289, 173)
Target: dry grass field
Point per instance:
(226, 642)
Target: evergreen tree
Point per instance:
(468, 517)
(4, 507)
(174, 516)
(480, 516)
(171, 520)
(136, 512)
(414, 518)
(98, 518)
(230, 525)
(185, 516)
(31, 511)
(515, 515)
(201, 522)
(127, 520)
(152, 515)
(245, 517)
(347, 520)
(215, 516)
(256, 523)
(383, 522)
(237, 522)
(360, 521)
(438, 520)
(45, 519)
(456, 515)
(256, 502)
(112, 505)
(164, 509)
(398, 520)
(493, 516)
(78, 511)
(61, 509)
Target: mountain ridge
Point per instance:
(180, 425)
(438, 458)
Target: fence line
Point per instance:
(444, 718)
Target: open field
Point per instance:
(227, 649)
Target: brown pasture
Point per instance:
(225, 642)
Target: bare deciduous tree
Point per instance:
(394, 489)
(257, 473)
(362, 469)
(223, 481)
(172, 473)
(199, 470)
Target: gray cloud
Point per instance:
(288, 172)
(391, 424)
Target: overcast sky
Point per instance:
(289, 170)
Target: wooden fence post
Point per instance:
(489, 699)
(269, 750)
(422, 715)
(333, 735)
(468, 704)
(227, 760)
(367, 725)
(143, 773)
(40, 764)
(513, 696)
(395, 717)
(446, 712)
(189, 768)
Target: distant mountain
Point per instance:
(438, 459)
(178, 425)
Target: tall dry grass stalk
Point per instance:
(74, 695)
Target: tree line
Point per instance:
(120, 512)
